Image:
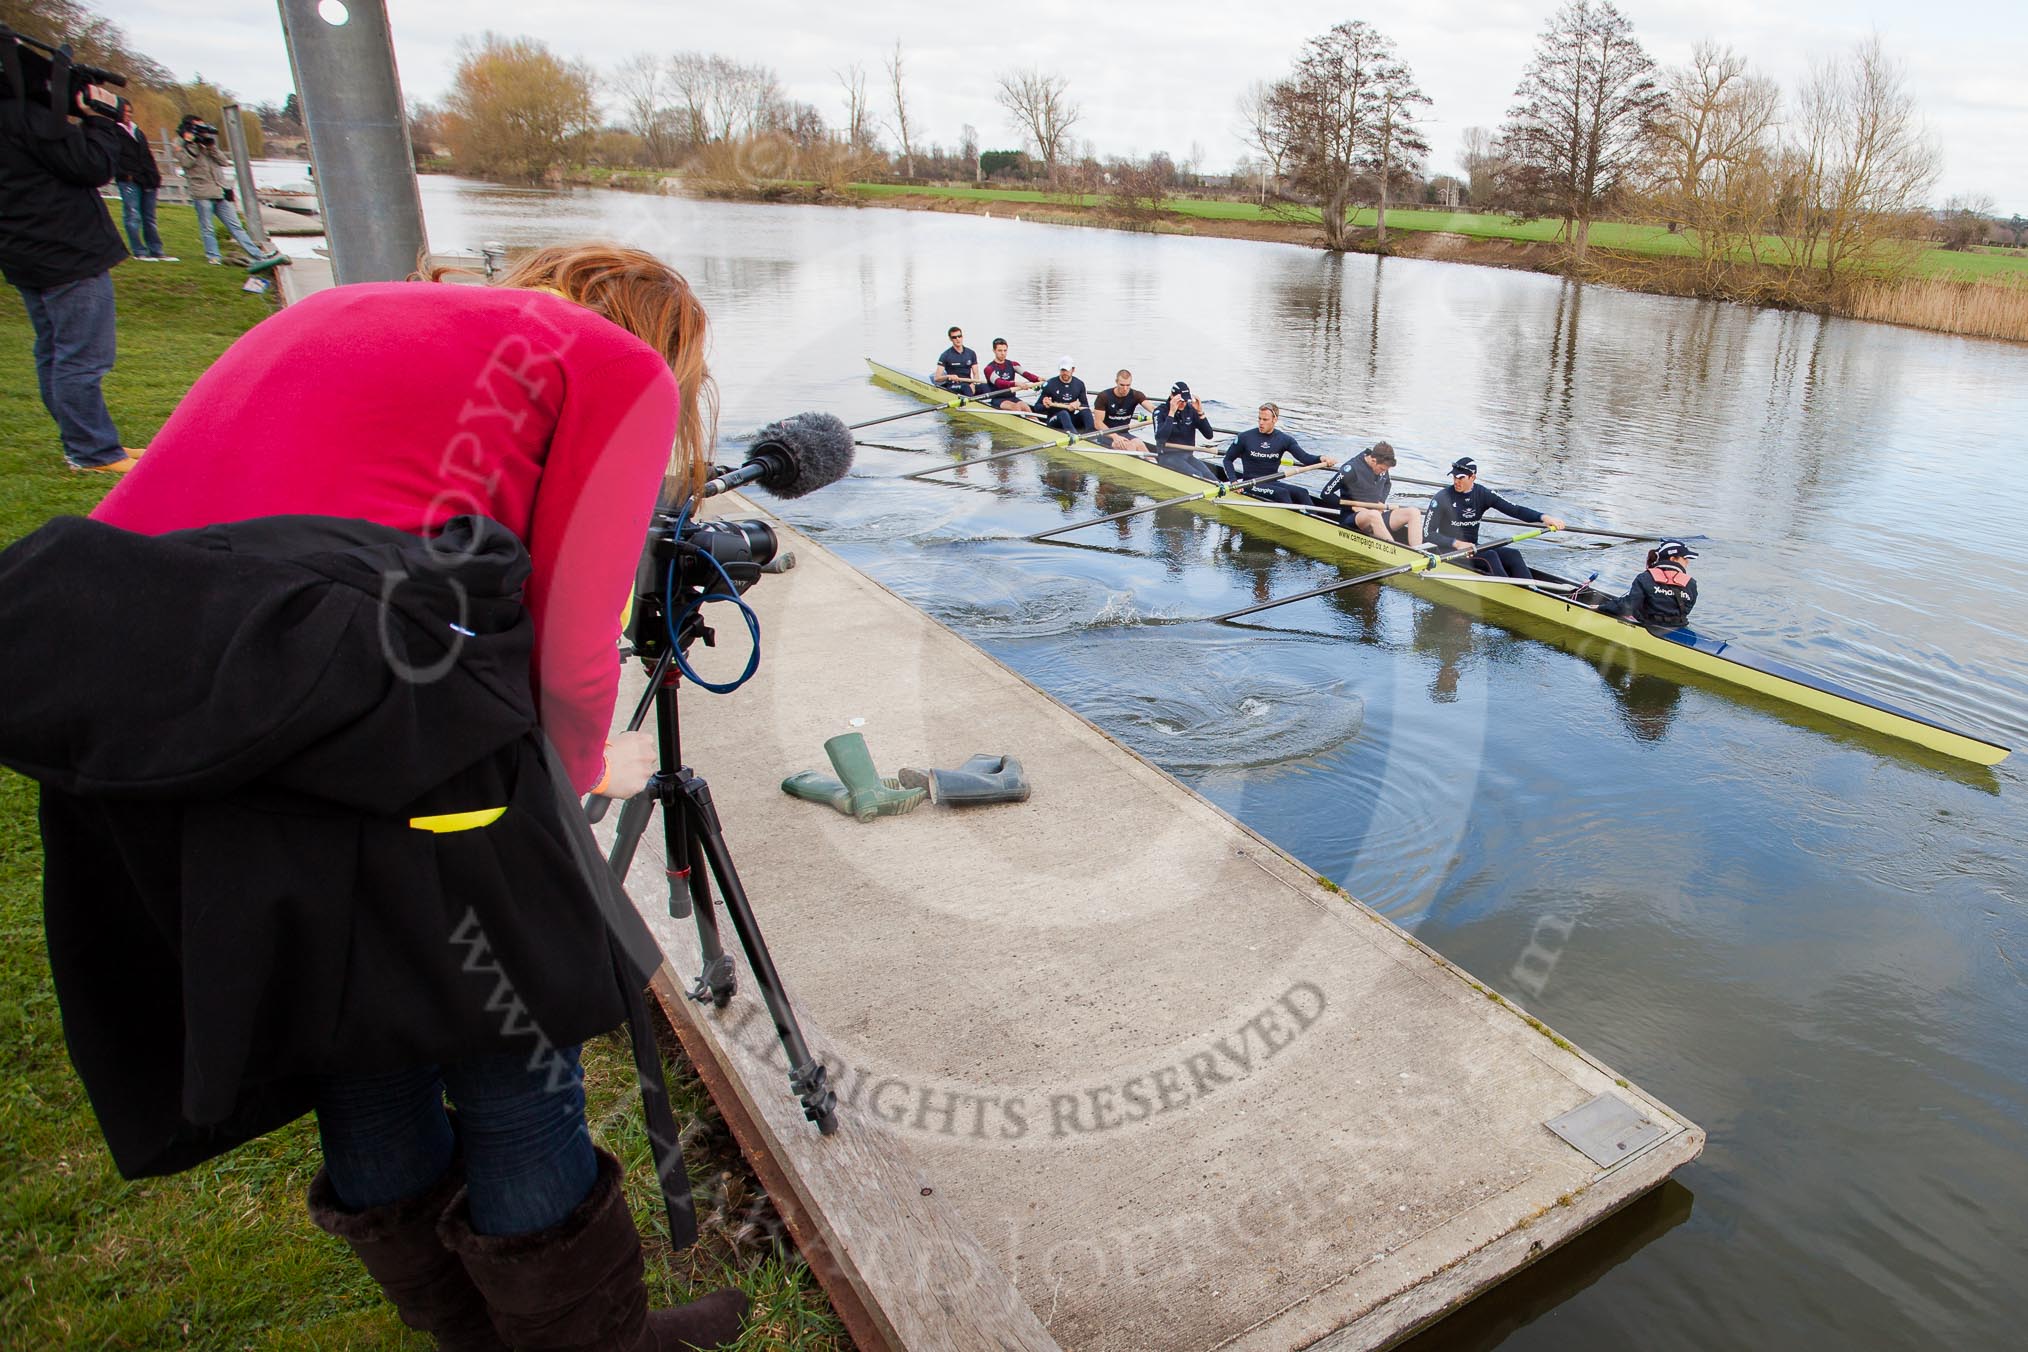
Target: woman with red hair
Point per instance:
(550, 403)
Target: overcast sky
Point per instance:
(1165, 76)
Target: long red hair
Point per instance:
(650, 300)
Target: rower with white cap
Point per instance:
(1063, 401)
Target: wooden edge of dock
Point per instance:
(901, 1270)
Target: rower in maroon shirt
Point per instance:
(1003, 373)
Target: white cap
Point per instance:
(1067, 364)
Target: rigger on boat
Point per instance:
(1446, 576)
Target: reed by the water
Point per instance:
(1980, 309)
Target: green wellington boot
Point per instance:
(814, 786)
(869, 795)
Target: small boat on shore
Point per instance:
(300, 198)
(1551, 615)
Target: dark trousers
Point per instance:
(1185, 463)
(528, 1154)
(1283, 492)
(74, 347)
(137, 209)
(1072, 420)
(1504, 561)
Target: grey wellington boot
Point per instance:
(981, 779)
(869, 795)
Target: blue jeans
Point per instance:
(137, 208)
(208, 207)
(528, 1154)
(74, 347)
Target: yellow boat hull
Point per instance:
(1578, 628)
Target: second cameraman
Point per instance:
(199, 159)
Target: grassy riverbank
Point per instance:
(1620, 237)
(1975, 293)
(223, 1256)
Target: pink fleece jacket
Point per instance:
(410, 403)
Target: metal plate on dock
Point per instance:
(1607, 1129)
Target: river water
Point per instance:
(1814, 944)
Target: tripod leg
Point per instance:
(663, 1134)
(627, 834)
(806, 1075)
(717, 980)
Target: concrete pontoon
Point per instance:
(1114, 1072)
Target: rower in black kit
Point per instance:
(1116, 408)
(1063, 402)
(1662, 596)
(1178, 424)
(958, 367)
(1456, 512)
(1257, 452)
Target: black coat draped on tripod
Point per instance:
(269, 752)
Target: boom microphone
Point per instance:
(797, 455)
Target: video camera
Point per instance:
(200, 131)
(33, 71)
(686, 561)
(677, 570)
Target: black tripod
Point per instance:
(692, 835)
(693, 841)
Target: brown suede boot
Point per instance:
(576, 1287)
(422, 1279)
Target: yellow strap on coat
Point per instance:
(457, 821)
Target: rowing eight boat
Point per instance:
(1604, 637)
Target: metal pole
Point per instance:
(242, 171)
(343, 59)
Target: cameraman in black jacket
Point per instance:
(139, 179)
(58, 245)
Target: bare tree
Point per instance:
(1041, 108)
(968, 150)
(1324, 114)
(1965, 220)
(1479, 157)
(1256, 108)
(900, 122)
(858, 114)
(1714, 161)
(1862, 165)
(1397, 147)
(1582, 120)
(640, 86)
(690, 79)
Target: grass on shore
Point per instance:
(1649, 240)
(223, 1256)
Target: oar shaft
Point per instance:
(1023, 450)
(1416, 565)
(918, 412)
(1211, 494)
(1609, 534)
